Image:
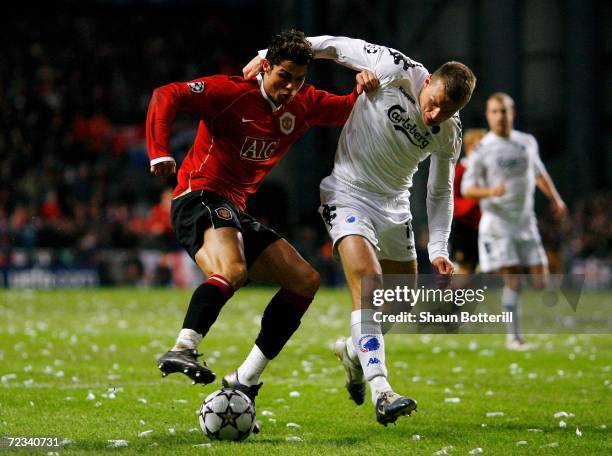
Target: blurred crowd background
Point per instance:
(75, 81)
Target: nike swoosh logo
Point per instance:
(247, 120)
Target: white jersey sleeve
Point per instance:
(440, 197)
(475, 172)
(356, 54)
(537, 161)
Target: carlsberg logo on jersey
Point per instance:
(255, 149)
(403, 124)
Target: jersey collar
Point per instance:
(265, 95)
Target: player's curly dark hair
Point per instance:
(290, 45)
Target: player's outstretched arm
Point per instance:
(546, 185)
(439, 209)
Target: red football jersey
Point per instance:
(466, 210)
(241, 136)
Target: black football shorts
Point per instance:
(195, 212)
(464, 244)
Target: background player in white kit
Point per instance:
(503, 172)
(365, 201)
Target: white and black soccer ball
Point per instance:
(227, 414)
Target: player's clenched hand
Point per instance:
(163, 169)
(366, 81)
(498, 190)
(253, 68)
(443, 265)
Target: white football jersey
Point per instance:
(516, 162)
(385, 138)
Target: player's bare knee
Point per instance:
(312, 281)
(307, 283)
(539, 282)
(236, 273)
(364, 269)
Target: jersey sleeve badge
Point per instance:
(196, 87)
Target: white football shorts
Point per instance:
(499, 252)
(385, 222)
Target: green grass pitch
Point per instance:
(80, 365)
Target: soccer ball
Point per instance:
(227, 414)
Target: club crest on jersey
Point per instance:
(287, 122)
(406, 126)
(196, 87)
(223, 213)
(256, 149)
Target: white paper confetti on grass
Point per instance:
(7, 377)
(416, 437)
(180, 401)
(90, 396)
(521, 442)
(142, 400)
(293, 425)
(272, 420)
(550, 445)
(562, 424)
(117, 443)
(452, 400)
(171, 431)
(267, 413)
(561, 415)
(202, 445)
(294, 394)
(476, 451)
(535, 430)
(145, 433)
(578, 432)
(293, 438)
(445, 450)
(142, 422)
(491, 414)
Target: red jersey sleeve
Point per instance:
(463, 206)
(198, 97)
(329, 109)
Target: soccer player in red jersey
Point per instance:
(466, 215)
(246, 126)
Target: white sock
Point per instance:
(510, 303)
(368, 342)
(252, 367)
(377, 386)
(187, 339)
(351, 350)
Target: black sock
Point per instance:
(280, 320)
(206, 303)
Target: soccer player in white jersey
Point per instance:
(365, 201)
(502, 173)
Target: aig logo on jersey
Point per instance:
(287, 122)
(255, 149)
(196, 87)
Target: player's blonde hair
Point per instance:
(503, 98)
